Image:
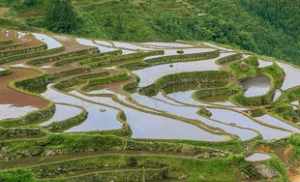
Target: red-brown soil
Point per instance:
(11, 96)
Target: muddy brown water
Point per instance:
(11, 96)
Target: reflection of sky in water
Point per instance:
(63, 112)
(191, 113)
(145, 125)
(51, 42)
(150, 75)
(257, 86)
(258, 157)
(292, 75)
(243, 121)
(99, 117)
(8, 111)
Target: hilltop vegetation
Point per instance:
(265, 27)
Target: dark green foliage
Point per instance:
(253, 101)
(286, 112)
(204, 112)
(263, 26)
(215, 94)
(69, 83)
(5, 72)
(131, 87)
(35, 85)
(30, 3)
(187, 81)
(61, 17)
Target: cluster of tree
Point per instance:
(280, 13)
(269, 27)
(61, 16)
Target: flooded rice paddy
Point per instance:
(172, 116)
(292, 73)
(51, 42)
(63, 112)
(258, 157)
(256, 86)
(190, 112)
(100, 118)
(146, 125)
(238, 119)
(150, 75)
(8, 111)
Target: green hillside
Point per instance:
(262, 26)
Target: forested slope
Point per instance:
(264, 26)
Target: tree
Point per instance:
(29, 3)
(61, 16)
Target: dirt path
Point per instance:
(294, 176)
(3, 11)
(11, 96)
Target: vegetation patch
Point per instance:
(183, 57)
(35, 85)
(187, 81)
(229, 59)
(68, 123)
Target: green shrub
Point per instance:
(35, 85)
(204, 112)
(58, 9)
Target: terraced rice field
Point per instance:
(79, 101)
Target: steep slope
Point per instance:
(260, 26)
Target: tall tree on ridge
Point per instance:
(61, 16)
